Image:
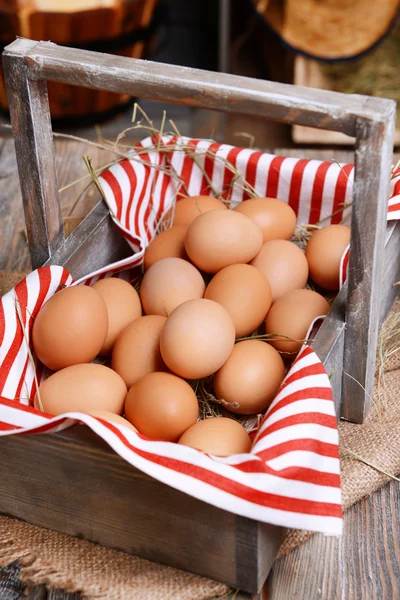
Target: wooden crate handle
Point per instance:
(28, 64)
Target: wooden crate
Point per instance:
(310, 73)
(79, 485)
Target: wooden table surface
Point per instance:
(363, 564)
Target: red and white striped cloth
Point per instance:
(291, 475)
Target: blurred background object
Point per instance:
(278, 40)
(123, 27)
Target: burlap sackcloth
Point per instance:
(61, 561)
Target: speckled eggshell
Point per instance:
(123, 307)
(161, 406)
(275, 218)
(245, 293)
(220, 436)
(82, 388)
(70, 328)
(136, 351)
(168, 243)
(250, 378)
(197, 338)
(291, 315)
(167, 284)
(217, 239)
(188, 209)
(284, 265)
(324, 254)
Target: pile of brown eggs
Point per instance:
(223, 296)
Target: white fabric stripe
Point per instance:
(328, 193)
(285, 178)
(12, 381)
(297, 432)
(14, 416)
(262, 173)
(242, 160)
(307, 460)
(306, 189)
(125, 185)
(219, 167)
(311, 405)
(349, 197)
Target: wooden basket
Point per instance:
(156, 521)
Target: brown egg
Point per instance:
(161, 406)
(188, 209)
(250, 377)
(275, 218)
(166, 244)
(168, 283)
(219, 436)
(245, 293)
(217, 239)
(197, 338)
(109, 416)
(70, 328)
(123, 306)
(82, 388)
(324, 253)
(284, 265)
(291, 315)
(136, 351)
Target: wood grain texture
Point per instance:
(193, 87)
(76, 201)
(30, 118)
(365, 277)
(363, 565)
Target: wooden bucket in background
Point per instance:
(123, 27)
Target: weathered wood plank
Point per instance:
(193, 87)
(373, 159)
(364, 564)
(30, 118)
(76, 201)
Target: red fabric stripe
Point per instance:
(130, 171)
(394, 207)
(317, 192)
(44, 284)
(311, 418)
(303, 474)
(273, 177)
(306, 445)
(22, 295)
(116, 190)
(234, 488)
(251, 171)
(295, 184)
(24, 408)
(306, 394)
(7, 427)
(340, 193)
(2, 323)
(315, 369)
(228, 175)
(396, 188)
(209, 164)
(188, 165)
